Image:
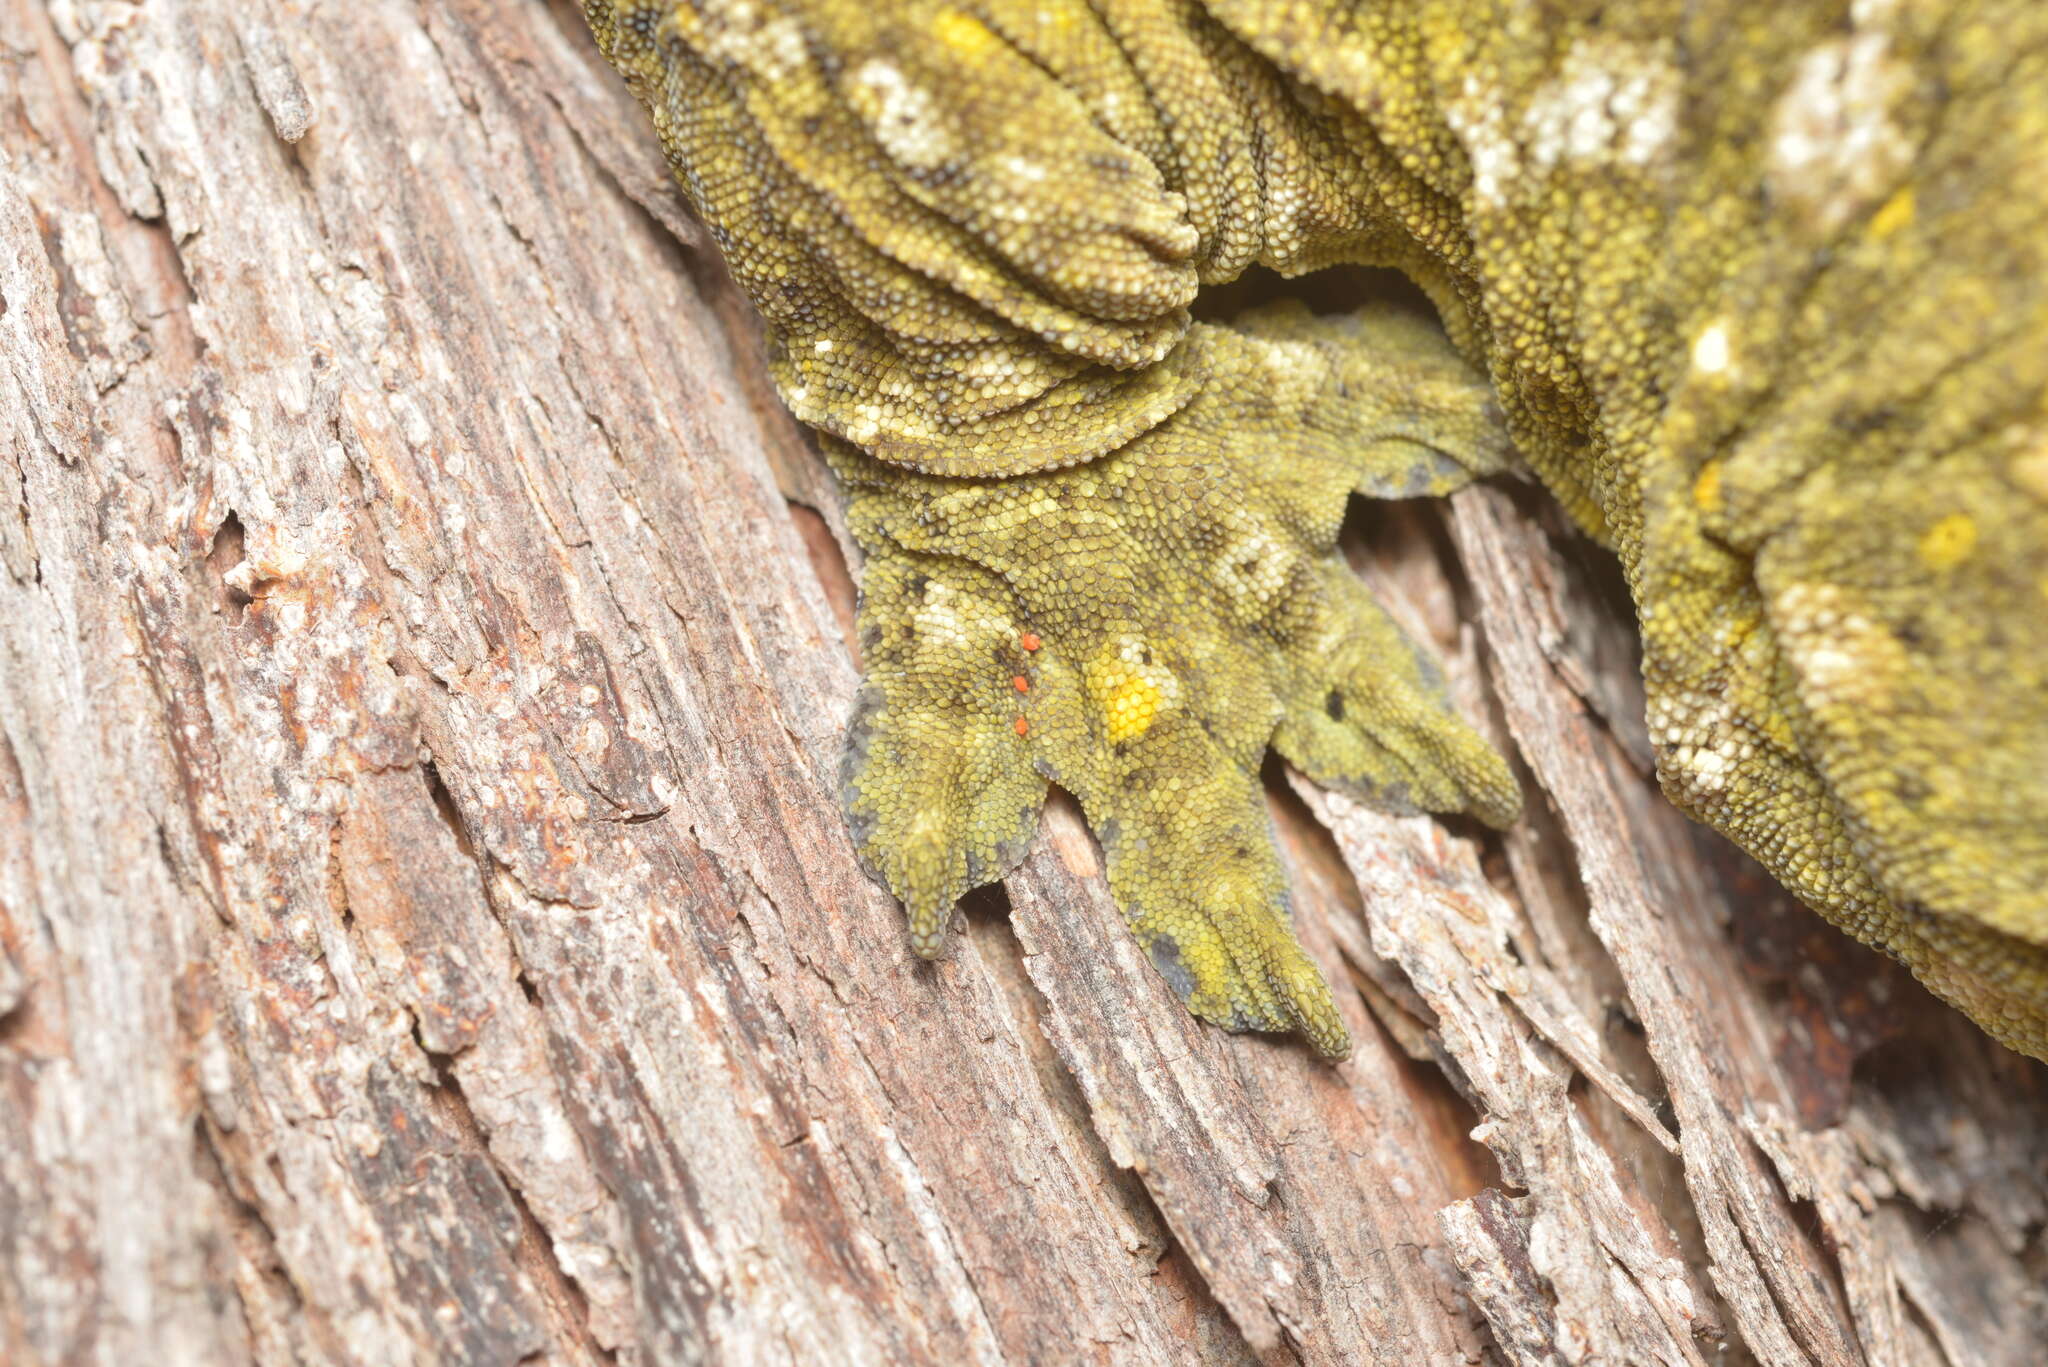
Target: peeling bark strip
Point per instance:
(427, 934)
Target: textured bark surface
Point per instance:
(427, 933)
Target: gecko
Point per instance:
(1759, 292)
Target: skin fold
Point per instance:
(1758, 291)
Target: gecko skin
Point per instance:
(1758, 290)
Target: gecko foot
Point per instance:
(1141, 628)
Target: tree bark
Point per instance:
(427, 932)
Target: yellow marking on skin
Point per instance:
(1128, 701)
(1004, 299)
(1949, 542)
(1896, 214)
(966, 35)
(1706, 490)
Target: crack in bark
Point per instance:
(536, 1252)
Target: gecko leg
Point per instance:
(1141, 628)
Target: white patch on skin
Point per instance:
(1701, 746)
(940, 623)
(903, 118)
(1254, 569)
(863, 431)
(1476, 119)
(771, 50)
(1845, 663)
(1711, 351)
(1356, 61)
(1836, 148)
(1612, 104)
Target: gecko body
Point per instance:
(1759, 292)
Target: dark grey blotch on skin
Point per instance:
(860, 734)
(1165, 956)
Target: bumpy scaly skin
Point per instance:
(1761, 291)
(1139, 629)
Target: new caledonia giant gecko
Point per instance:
(1758, 290)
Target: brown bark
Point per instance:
(427, 933)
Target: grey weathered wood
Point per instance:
(427, 933)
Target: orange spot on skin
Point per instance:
(1021, 684)
(1023, 727)
(1028, 641)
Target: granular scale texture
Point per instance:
(1759, 292)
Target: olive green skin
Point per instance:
(1759, 291)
